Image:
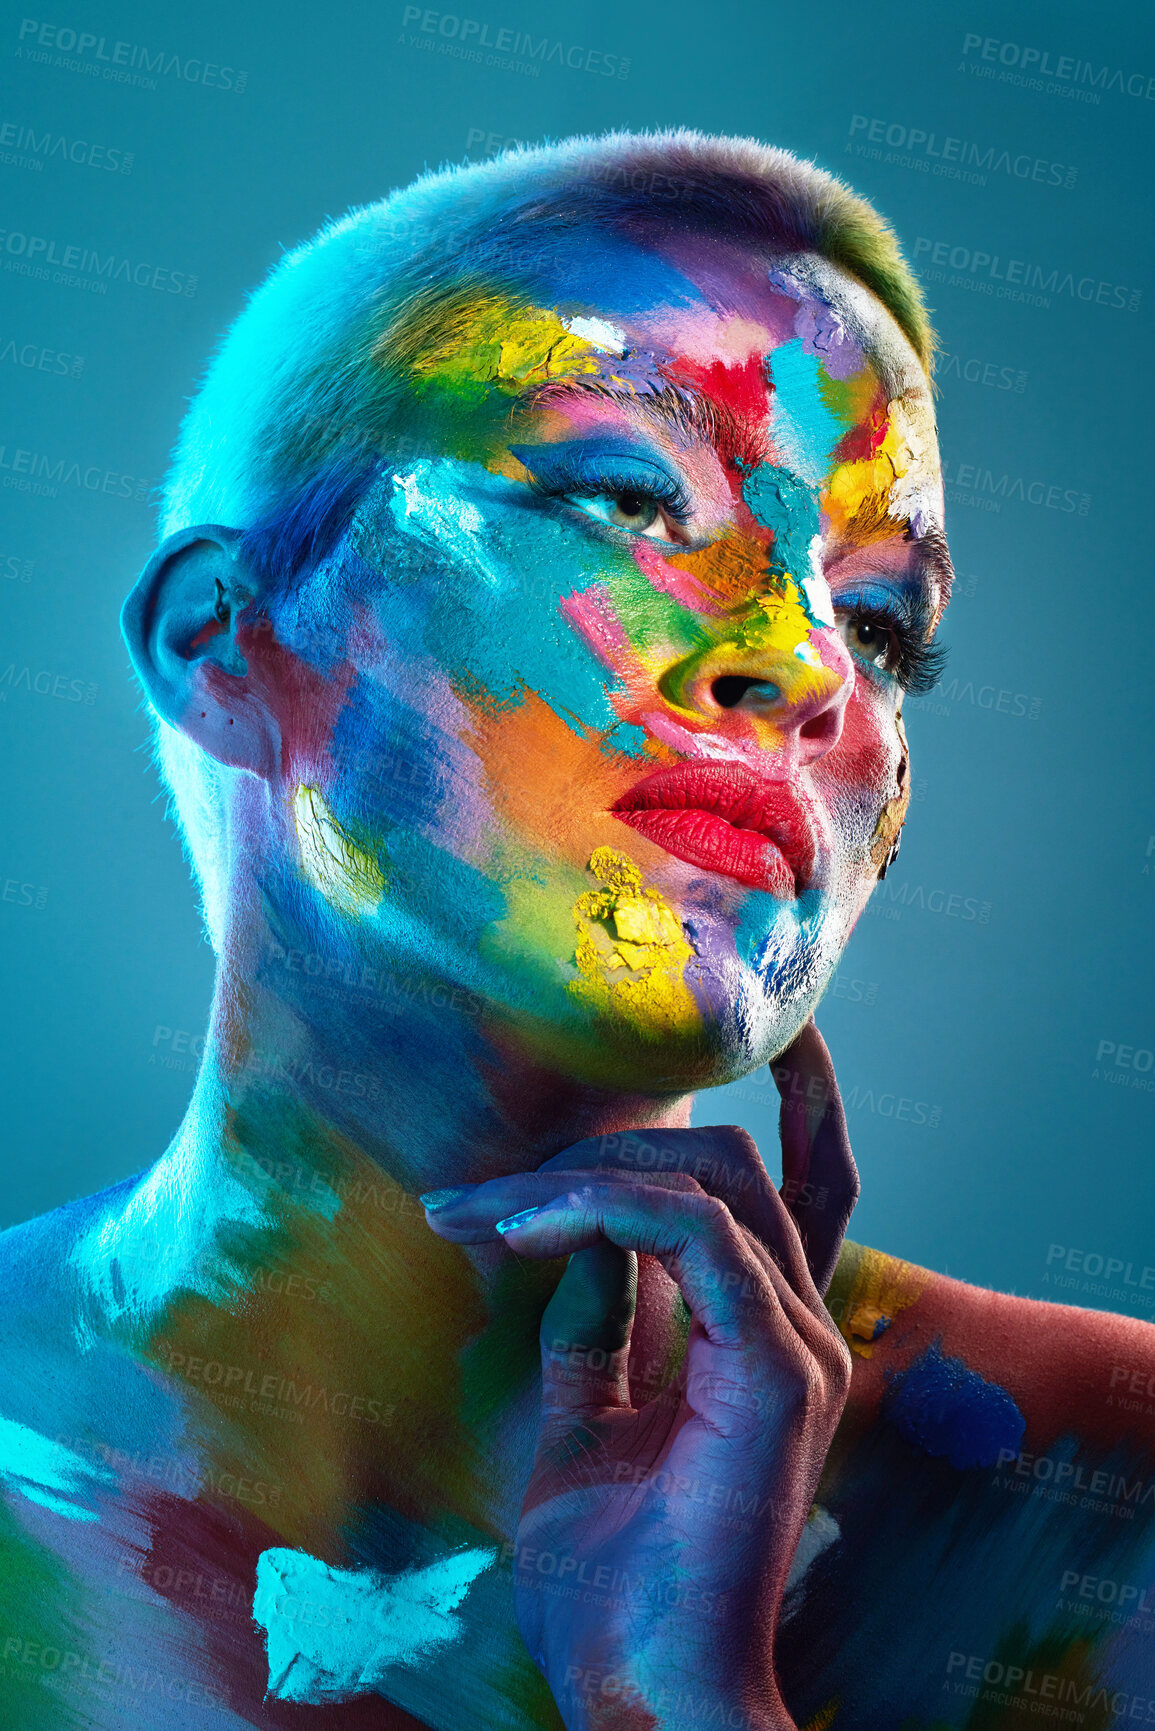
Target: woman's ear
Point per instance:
(180, 623)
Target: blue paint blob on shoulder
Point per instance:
(943, 1407)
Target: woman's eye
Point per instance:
(871, 641)
(637, 513)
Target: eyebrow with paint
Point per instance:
(671, 408)
(686, 414)
(933, 567)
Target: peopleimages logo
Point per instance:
(47, 260)
(24, 147)
(1019, 279)
(119, 62)
(1024, 1689)
(968, 483)
(1035, 64)
(471, 35)
(35, 472)
(954, 158)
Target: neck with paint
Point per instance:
(287, 1248)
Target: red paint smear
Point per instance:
(305, 702)
(864, 440)
(744, 390)
(212, 629)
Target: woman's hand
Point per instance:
(657, 1534)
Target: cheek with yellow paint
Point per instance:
(579, 916)
(631, 952)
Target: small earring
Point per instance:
(891, 856)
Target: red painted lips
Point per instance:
(722, 817)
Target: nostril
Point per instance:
(731, 688)
(826, 725)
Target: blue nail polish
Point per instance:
(435, 1200)
(512, 1221)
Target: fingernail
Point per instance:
(512, 1221)
(436, 1200)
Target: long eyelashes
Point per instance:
(661, 491)
(913, 663)
(922, 667)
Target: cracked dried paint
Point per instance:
(631, 949)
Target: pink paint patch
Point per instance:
(695, 746)
(684, 588)
(591, 613)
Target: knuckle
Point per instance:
(838, 1365)
(712, 1212)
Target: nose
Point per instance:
(788, 689)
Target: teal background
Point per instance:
(989, 1121)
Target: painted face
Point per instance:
(615, 651)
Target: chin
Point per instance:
(673, 1035)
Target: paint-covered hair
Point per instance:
(299, 403)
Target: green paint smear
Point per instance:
(1071, 1657)
(38, 1604)
(503, 1360)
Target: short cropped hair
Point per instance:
(298, 405)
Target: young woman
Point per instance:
(546, 557)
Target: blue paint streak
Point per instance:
(805, 429)
(333, 1634)
(944, 1408)
(789, 509)
(39, 1468)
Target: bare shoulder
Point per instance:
(983, 1545)
(61, 1370)
(1064, 1369)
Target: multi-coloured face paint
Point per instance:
(588, 750)
(681, 524)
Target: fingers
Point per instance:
(741, 1301)
(819, 1178)
(585, 1333)
(732, 1295)
(724, 1160)
(473, 1214)
(468, 1215)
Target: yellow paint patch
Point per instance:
(781, 624)
(893, 814)
(350, 879)
(631, 951)
(364, 1377)
(876, 1286)
(873, 496)
(496, 339)
(823, 1720)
